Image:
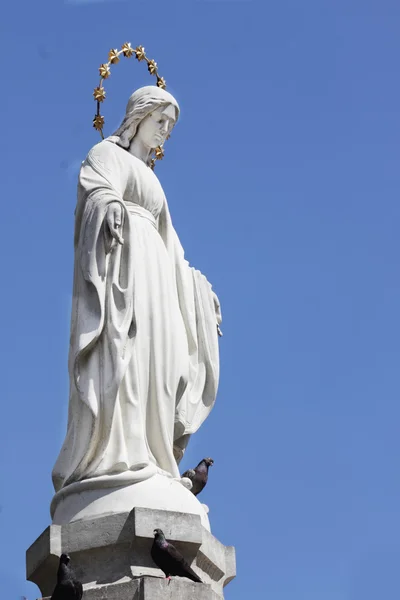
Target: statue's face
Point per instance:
(154, 128)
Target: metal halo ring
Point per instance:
(99, 92)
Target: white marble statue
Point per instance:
(143, 359)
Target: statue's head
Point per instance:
(151, 113)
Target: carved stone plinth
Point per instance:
(111, 556)
(150, 588)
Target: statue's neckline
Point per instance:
(139, 160)
(132, 155)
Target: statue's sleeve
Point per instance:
(200, 312)
(102, 180)
(104, 169)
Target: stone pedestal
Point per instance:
(111, 556)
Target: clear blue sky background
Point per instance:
(283, 182)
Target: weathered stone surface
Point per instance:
(111, 553)
(150, 588)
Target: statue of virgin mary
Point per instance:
(143, 359)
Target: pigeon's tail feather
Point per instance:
(190, 574)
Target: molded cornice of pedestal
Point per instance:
(152, 588)
(112, 552)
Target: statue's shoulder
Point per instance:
(102, 150)
(105, 156)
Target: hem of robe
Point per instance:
(117, 480)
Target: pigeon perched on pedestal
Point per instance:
(199, 475)
(67, 588)
(169, 559)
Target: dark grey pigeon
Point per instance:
(169, 559)
(199, 475)
(67, 588)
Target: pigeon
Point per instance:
(199, 475)
(169, 559)
(67, 588)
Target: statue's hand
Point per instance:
(218, 315)
(217, 307)
(114, 221)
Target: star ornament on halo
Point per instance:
(98, 122)
(127, 49)
(104, 71)
(159, 153)
(161, 83)
(152, 67)
(113, 56)
(99, 94)
(140, 53)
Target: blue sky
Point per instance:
(283, 182)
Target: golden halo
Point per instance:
(99, 93)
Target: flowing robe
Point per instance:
(143, 360)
